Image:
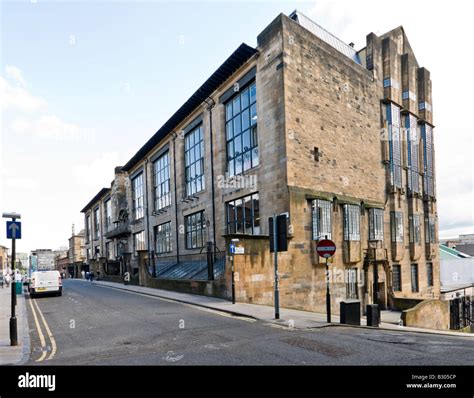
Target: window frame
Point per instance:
(376, 224)
(138, 196)
(414, 228)
(429, 274)
(246, 120)
(397, 229)
(232, 223)
(198, 229)
(136, 245)
(321, 218)
(415, 280)
(161, 181)
(191, 161)
(163, 238)
(351, 225)
(397, 287)
(108, 214)
(96, 216)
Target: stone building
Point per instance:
(107, 230)
(76, 254)
(339, 140)
(4, 266)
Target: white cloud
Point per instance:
(97, 173)
(18, 98)
(15, 74)
(50, 126)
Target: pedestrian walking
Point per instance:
(91, 276)
(7, 279)
(83, 273)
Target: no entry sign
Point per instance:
(326, 248)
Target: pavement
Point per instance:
(99, 324)
(13, 355)
(390, 320)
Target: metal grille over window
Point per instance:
(351, 222)
(376, 224)
(195, 230)
(137, 196)
(161, 181)
(415, 228)
(429, 274)
(393, 119)
(322, 219)
(163, 238)
(241, 131)
(194, 161)
(428, 178)
(396, 278)
(430, 230)
(412, 149)
(243, 215)
(414, 278)
(396, 223)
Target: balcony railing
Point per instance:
(118, 230)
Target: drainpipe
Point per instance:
(210, 104)
(146, 212)
(175, 197)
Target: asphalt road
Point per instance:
(97, 325)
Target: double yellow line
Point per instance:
(40, 332)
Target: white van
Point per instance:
(45, 282)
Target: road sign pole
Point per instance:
(233, 279)
(275, 257)
(13, 324)
(328, 294)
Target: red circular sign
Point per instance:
(326, 248)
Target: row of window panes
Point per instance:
(194, 161)
(161, 181)
(243, 215)
(241, 131)
(137, 196)
(322, 223)
(163, 238)
(397, 277)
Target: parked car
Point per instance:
(43, 282)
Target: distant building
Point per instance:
(3, 259)
(76, 254)
(456, 273)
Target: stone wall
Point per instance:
(429, 314)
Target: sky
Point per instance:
(83, 85)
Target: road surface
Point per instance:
(96, 325)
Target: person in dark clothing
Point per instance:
(91, 276)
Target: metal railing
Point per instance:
(461, 312)
(190, 266)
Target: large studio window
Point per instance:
(243, 215)
(194, 161)
(241, 131)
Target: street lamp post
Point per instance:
(13, 322)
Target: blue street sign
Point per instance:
(13, 230)
(232, 248)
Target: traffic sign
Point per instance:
(232, 248)
(13, 230)
(326, 248)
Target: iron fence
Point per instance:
(461, 312)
